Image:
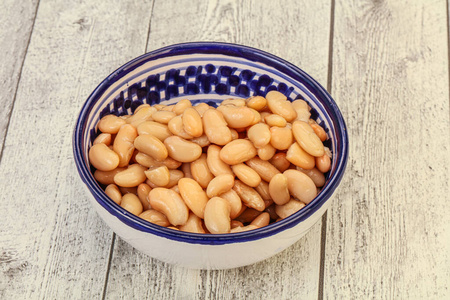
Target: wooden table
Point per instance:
(386, 63)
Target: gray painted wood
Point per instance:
(52, 243)
(16, 19)
(305, 44)
(388, 236)
(387, 233)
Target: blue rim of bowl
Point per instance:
(230, 49)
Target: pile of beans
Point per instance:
(237, 167)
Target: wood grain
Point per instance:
(17, 20)
(52, 243)
(292, 35)
(388, 234)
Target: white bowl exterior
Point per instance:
(198, 256)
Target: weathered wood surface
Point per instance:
(52, 244)
(232, 21)
(389, 236)
(16, 24)
(387, 233)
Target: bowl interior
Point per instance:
(207, 72)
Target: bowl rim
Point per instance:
(242, 51)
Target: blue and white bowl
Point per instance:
(207, 72)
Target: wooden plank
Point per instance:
(17, 19)
(53, 245)
(388, 236)
(291, 34)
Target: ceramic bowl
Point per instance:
(207, 72)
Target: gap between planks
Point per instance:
(18, 81)
(323, 234)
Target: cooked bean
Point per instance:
(128, 190)
(155, 217)
(237, 151)
(259, 134)
(163, 116)
(200, 171)
(307, 138)
(261, 220)
(103, 158)
(220, 185)
(159, 106)
(266, 152)
(317, 177)
(170, 204)
(300, 157)
(293, 206)
(201, 108)
(264, 168)
(141, 107)
(234, 134)
(159, 176)
(281, 137)
(256, 102)
(124, 144)
(186, 168)
(243, 228)
(142, 192)
(130, 177)
(174, 177)
(140, 116)
(151, 146)
(258, 140)
(256, 117)
(215, 164)
(300, 185)
(103, 138)
(280, 162)
(249, 196)
(111, 124)
(158, 130)
(106, 177)
(302, 109)
(131, 203)
(320, 132)
(278, 104)
(323, 163)
(271, 211)
(215, 127)
(114, 193)
(235, 224)
(235, 102)
(175, 188)
(150, 162)
(246, 174)
(193, 224)
(274, 120)
(202, 140)
(235, 203)
(168, 108)
(193, 195)
(248, 215)
(263, 190)
(182, 150)
(181, 106)
(278, 189)
(237, 116)
(176, 127)
(217, 215)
